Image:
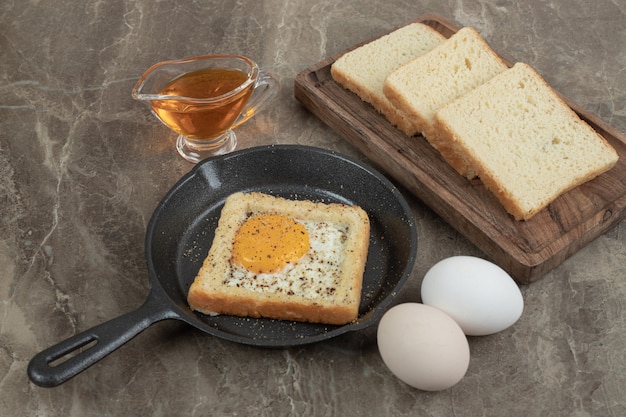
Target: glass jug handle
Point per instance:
(266, 87)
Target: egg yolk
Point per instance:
(267, 243)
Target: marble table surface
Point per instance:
(83, 166)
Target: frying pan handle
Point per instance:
(81, 351)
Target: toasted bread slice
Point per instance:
(323, 286)
(420, 87)
(527, 145)
(364, 69)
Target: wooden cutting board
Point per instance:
(526, 250)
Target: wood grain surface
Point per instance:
(526, 250)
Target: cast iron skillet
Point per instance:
(181, 230)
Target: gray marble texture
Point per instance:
(83, 166)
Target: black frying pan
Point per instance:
(181, 230)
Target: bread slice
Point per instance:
(364, 69)
(528, 146)
(420, 87)
(323, 286)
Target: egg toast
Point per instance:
(284, 259)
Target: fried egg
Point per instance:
(277, 254)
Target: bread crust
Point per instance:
(210, 295)
(416, 124)
(446, 143)
(393, 115)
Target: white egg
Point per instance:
(423, 346)
(479, 295)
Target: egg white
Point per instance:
(314, 276)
